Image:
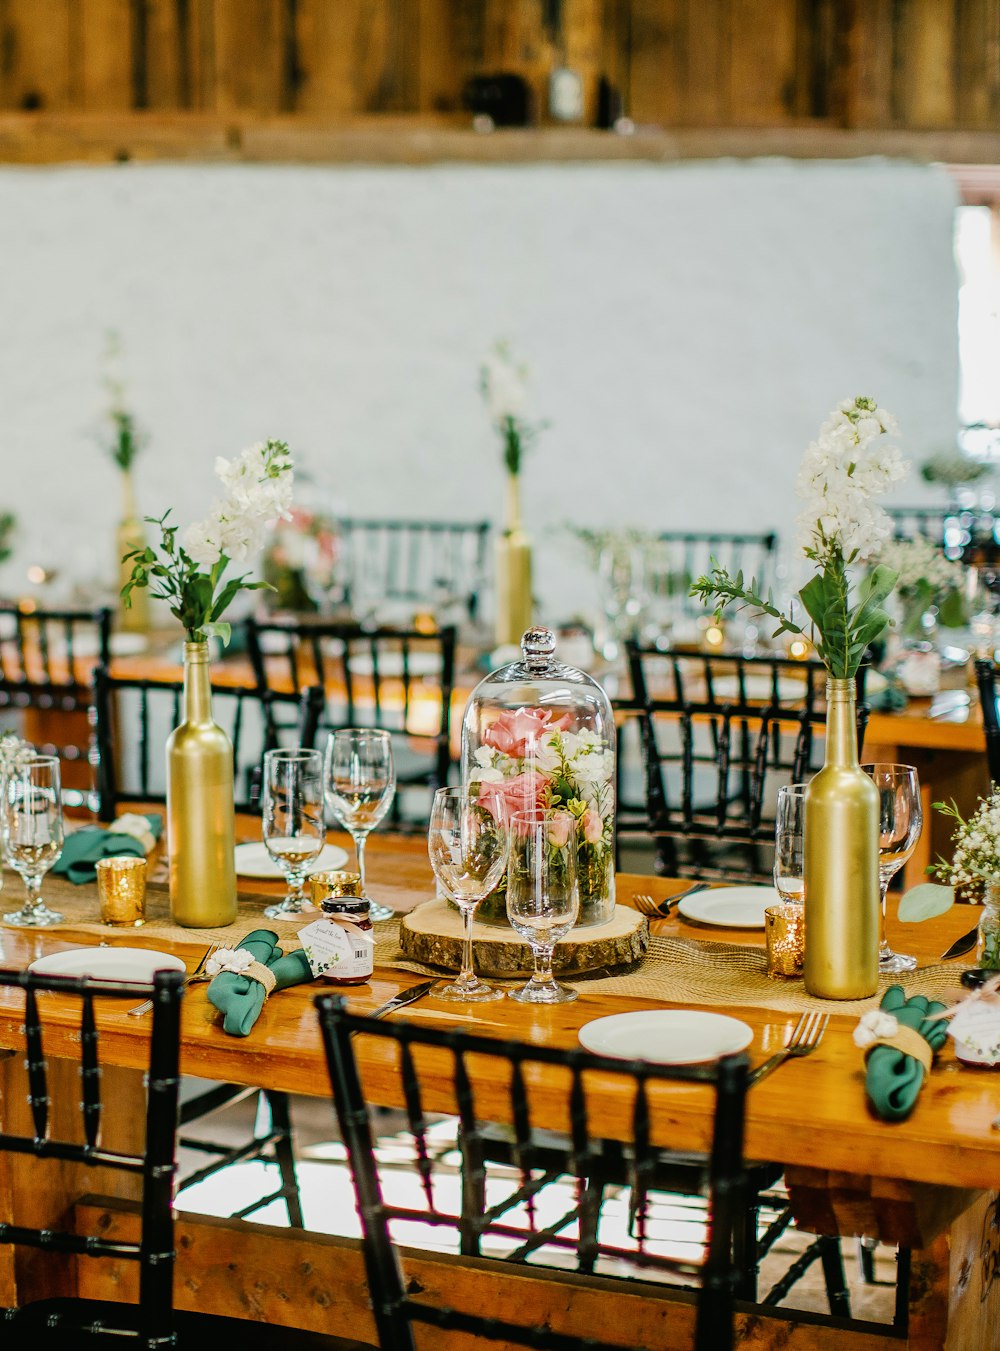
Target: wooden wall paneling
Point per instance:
(517, 38)
(440, 75)
(977, 63)
(707, 94)
(616, 50)
(658, 66)
(164, 53)
(102, 55)
(250, 58)
(326, 48)
(821, 61)
(393, 60)
(762, 69)
(582, 48)
(925, 42)
(35, 54)
(868, 58)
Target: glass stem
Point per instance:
(359, 845)
(465, 976)
(883, 942)
(33, 886)
(542, 974)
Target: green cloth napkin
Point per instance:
(893, 1080)
(239, 998)
(83, 848)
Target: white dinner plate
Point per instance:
(666, 1036)
(729, 907)
(130, 964)
(253, 860)
(760, 688)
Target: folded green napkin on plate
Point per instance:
(894, 1073)
(84, 847)
(240, 998)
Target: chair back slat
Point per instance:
(423, 562)
(38, 1089)
(637, 1094)
(90, 1074)
(417, 1121)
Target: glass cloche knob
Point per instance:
(538, 645)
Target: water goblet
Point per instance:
(33, 834)
(543, 897)
(789, 820)
(468, 847)
(360, 784)
(900, 818)
(292, 820)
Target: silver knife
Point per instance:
(962, 945)
(399, 1001)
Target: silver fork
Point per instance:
(806, 1036)
(198, 974)
(660, 909)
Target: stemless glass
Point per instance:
(360, 786)
(542, 895)
(292, 824)
(900, 818)
(33, 834)
(468, 847)
(789, 821)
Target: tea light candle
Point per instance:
(785, 935)
(121, 887)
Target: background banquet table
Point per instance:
(920, 1182)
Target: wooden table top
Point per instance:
(811, 1112)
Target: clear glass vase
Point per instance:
(988, 949)
(539, 734)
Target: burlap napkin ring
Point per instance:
(241, 963)
(878, 1028)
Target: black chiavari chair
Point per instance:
(398, 679)
(428, 1058)
(987, 687)
(720, 734)
(46, 660)
(680, 556)
(419, 562)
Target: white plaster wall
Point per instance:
(688, 326)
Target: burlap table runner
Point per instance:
(678, 970)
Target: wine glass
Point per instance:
(33, 834)
(789, 820)
(542, 895)
(292, 825)
(900, 818)
(468, 847)
(360, 786)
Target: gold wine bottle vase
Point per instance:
(842, 909)
(200, 819)
(131, 534)
(513, 608)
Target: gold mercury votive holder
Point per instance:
(785, 936)
(332, 882)
(121, 888)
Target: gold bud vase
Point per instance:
(842, 907)
(200, 818)
(513, 608)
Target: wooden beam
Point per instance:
(294, 1279)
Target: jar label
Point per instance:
(334, 950)
(976, 1028)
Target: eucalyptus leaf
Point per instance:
(925, 901)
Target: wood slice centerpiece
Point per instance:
(433, 934)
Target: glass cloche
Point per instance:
(538, 733)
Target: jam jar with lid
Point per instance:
(539, 734)
(339, 947)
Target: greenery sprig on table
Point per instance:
(503, 383)
(190, 575)
(842, 472)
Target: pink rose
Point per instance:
(592, 826)
(515, 733)
(522, 793)
(561, 826)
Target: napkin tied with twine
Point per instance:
(899, 1040)
(240, 994)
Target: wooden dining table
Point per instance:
(928, 1183)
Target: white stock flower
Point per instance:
(504, 385)
(484, 756)
(259, 480)
(203, 540)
